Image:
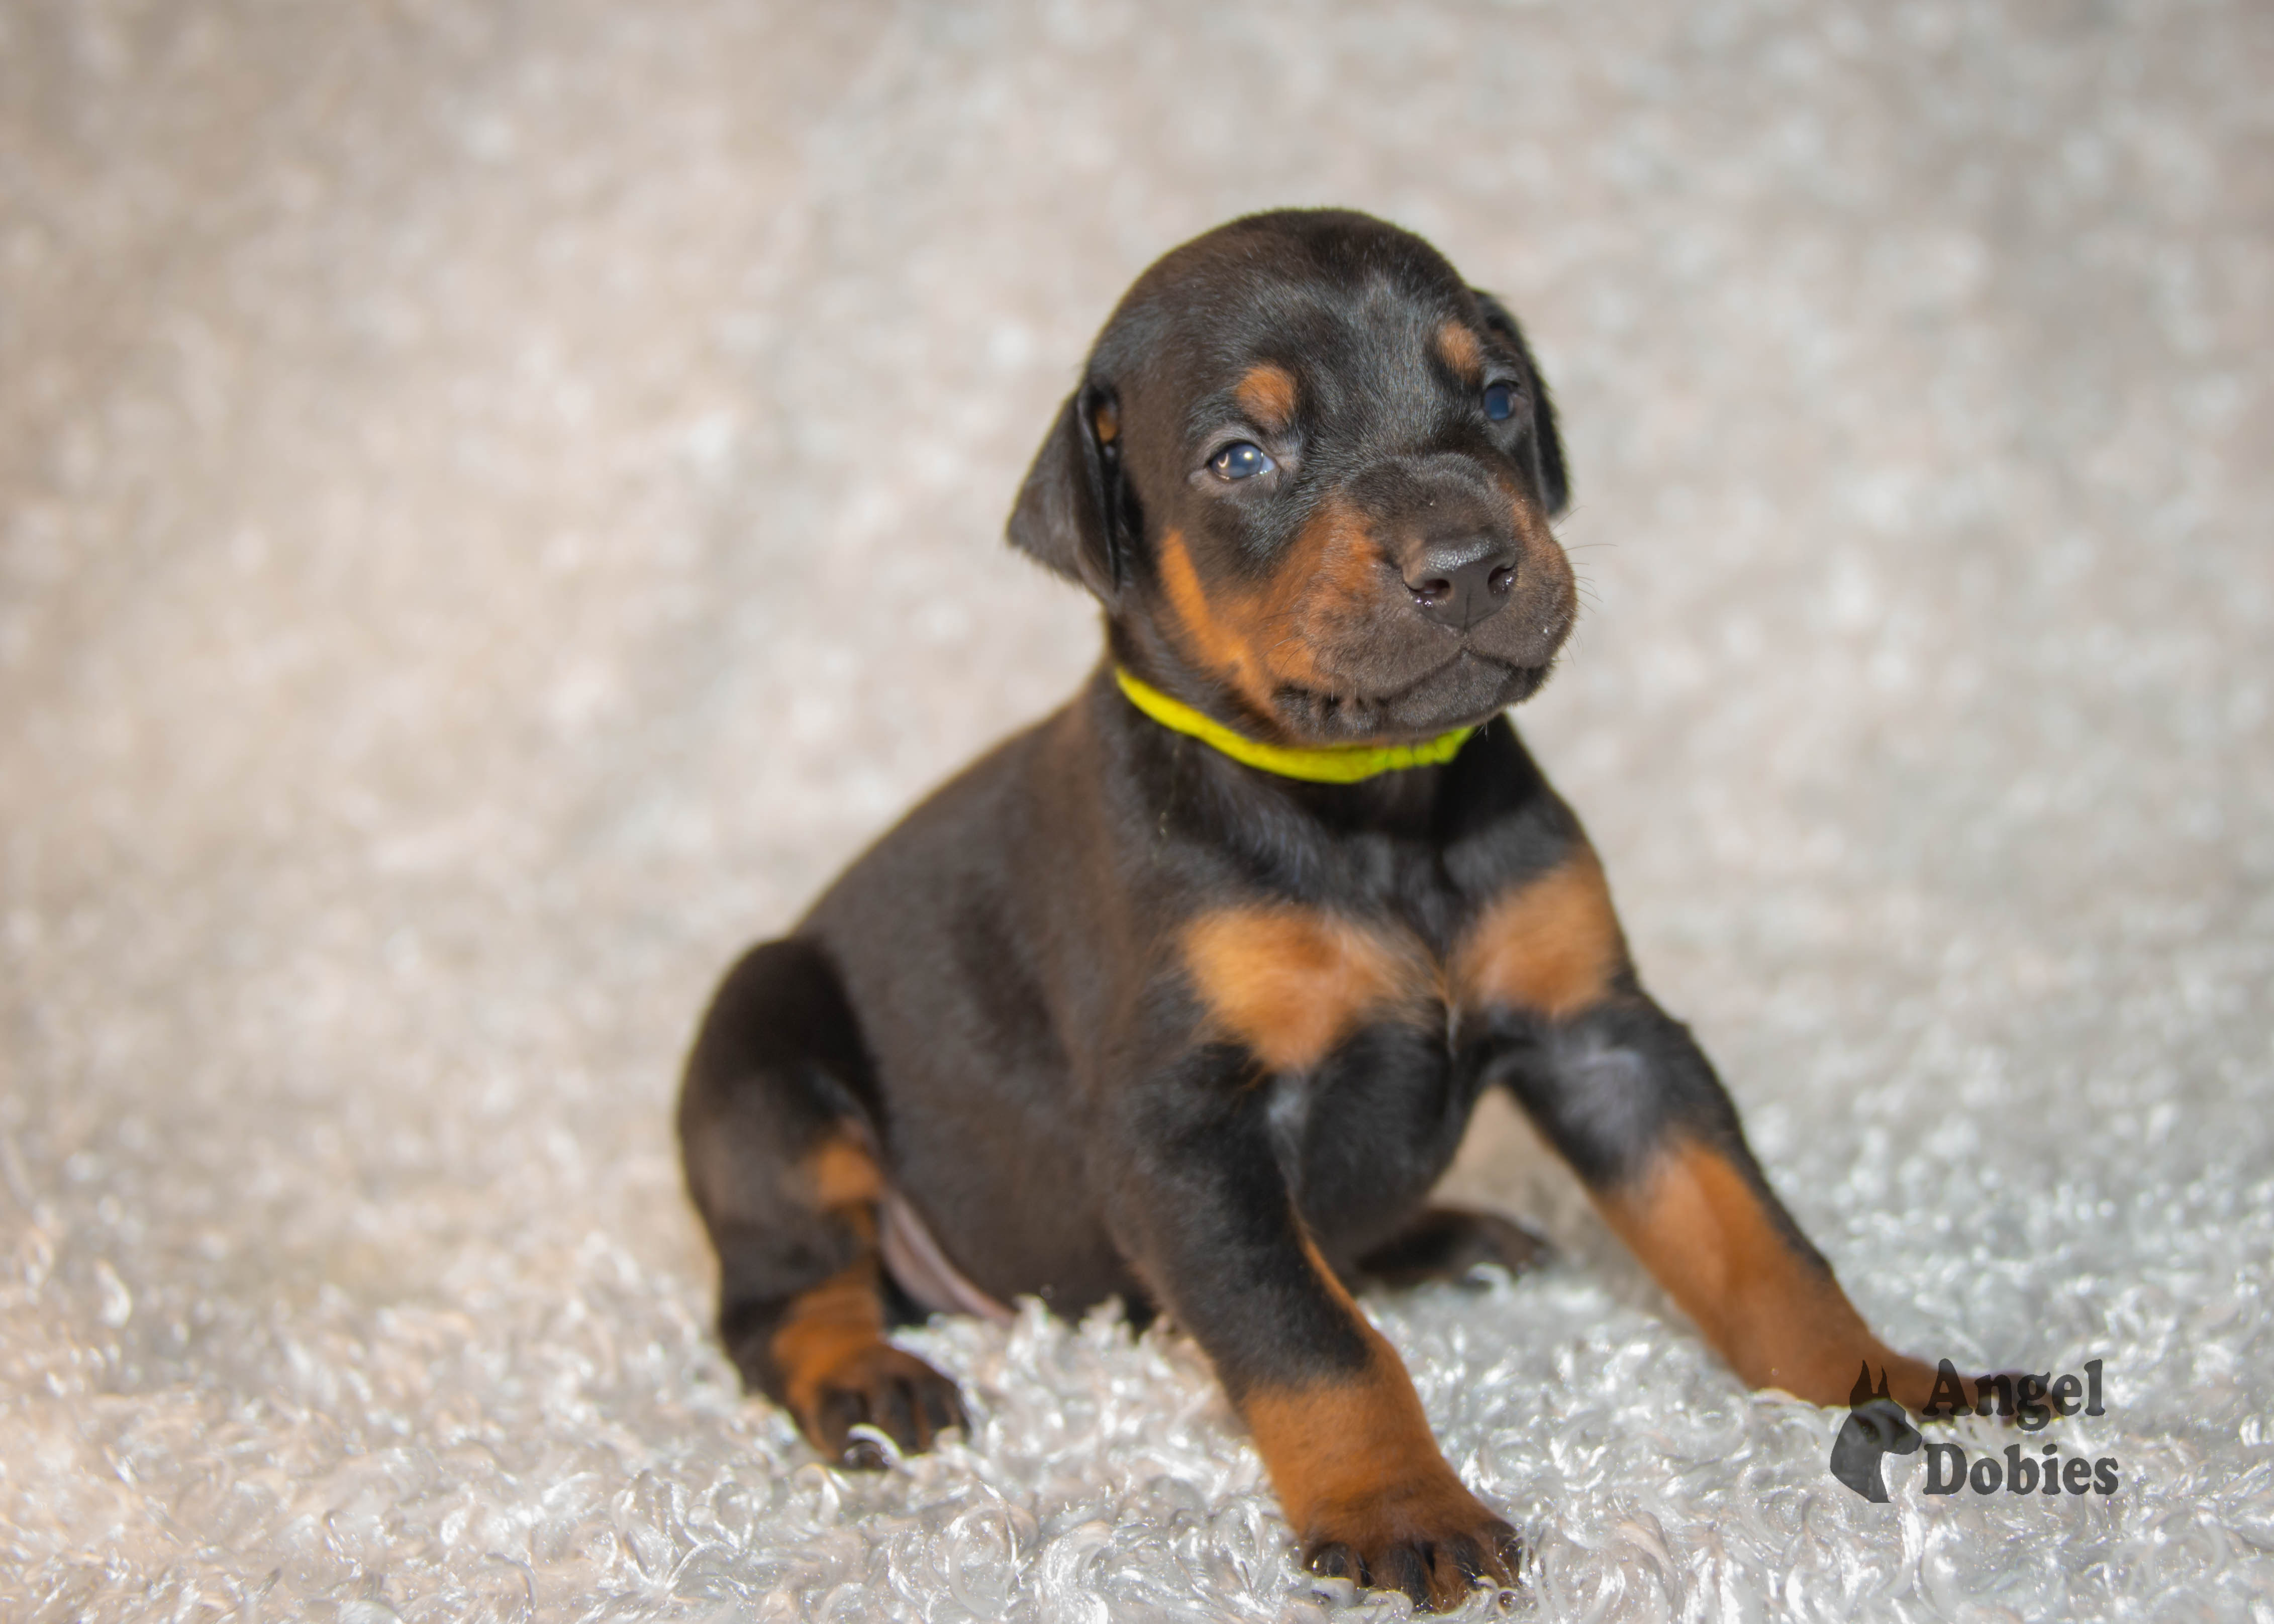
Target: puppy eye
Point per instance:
(1500, 401)
(1241, 460)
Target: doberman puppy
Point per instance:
(1186, 993)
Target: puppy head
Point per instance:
(1308, 472)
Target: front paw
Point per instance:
(875, 1385)
(1434, 1540)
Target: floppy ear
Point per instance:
(1074, 513)
(1547, 446)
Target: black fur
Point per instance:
(777, 1064)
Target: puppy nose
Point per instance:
(1458, 584)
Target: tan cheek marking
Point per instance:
(1331, 576)
(1219, 648)
(1290, 984)
(1698, 1225)
(844, 1174)
(1552, 945)
(1544, 574)
(1457, 345)
(1261, 639)
(1550, 567)
(1267, 393)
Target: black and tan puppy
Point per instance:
(1186, 993)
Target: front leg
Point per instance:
(1551, 1008)
(1205, 1212)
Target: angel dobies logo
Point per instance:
(1876, 1427)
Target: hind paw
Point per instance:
(879, 1387)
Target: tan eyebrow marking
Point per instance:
(1268, 395)
(1458, 345)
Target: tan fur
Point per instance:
(1356, 1464)
(1267, 393)
(1551, 945)
(1291, 982)
(1259, 640)
(1540, 558)
(1334, 1449)
(826, 1329)
(1217, 646)
(1780, 1318)
(1457, 345)
(1333, 571)
(844, 1174)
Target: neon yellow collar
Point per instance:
(1336, 763)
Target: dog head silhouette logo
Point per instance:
(1876, 1427)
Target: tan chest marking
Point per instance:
(1291, 982)
(1552, 945)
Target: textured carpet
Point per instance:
(497, 502)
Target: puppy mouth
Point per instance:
(1468, 689)
(1390, 676)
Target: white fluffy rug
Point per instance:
(497, 501)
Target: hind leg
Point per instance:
(778, 1150)
(1446, 1243)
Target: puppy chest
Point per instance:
(1294, 984)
